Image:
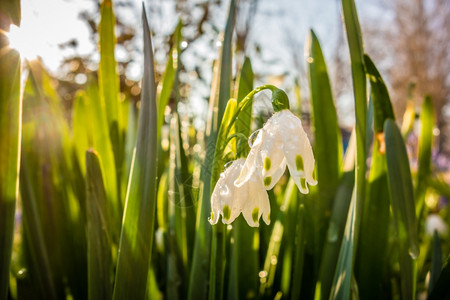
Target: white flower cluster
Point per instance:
(242, 186)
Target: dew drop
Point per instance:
(228, 164)
(252, 138)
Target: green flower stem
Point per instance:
(280, 101)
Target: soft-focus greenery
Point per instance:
(113, 200)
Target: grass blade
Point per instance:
(244, 123)
(371, 263)
(107, 77)
(424, 149)
(403, 206)
(10, 137)
(219, 231)
(109, 99)
(99, 240)
(246, 239)
(327, 137)
(342, 278)
(139, 216)
(327, 144)
(199, 283)
(100, 141)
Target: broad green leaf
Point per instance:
(108, 79)
(403, 206)
(136, 238)
(80, 128)
(199, 283)
(327, 139)
(244, 271)
(167, 88)
(100, 141)
(55, 184)
(299, 254)
(228, 122)
(108, 83)
(355, 44)
(380, 96)
(371, 263)
(10, 132)
(218, 165)
(424, 159)
(181, 211)
(100, 268)
(243, 125)
(425, 139)
(39, 264)
(166, 84)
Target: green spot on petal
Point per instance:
(267, 180)
(268, 217)
(255, 214)
(212, 216)
(299, 163)
(226, 212)
(267, 163)
(303, 183)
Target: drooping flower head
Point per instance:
(242, 186)
(229, 200)
(282, 141)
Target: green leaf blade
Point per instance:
(98, 235)
(139, 216)
(402, 197)
(371, 263)
(10, 133)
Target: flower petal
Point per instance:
(272, 157)
(223, 199)
(256, 202)
(253, 161)
(298, 150)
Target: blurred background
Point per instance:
(408, 40)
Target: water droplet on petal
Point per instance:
(252, 138)
(224, 190)
(228, 164)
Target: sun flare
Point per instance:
(24, 41)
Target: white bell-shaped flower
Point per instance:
(249, 198)
(281, 141)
